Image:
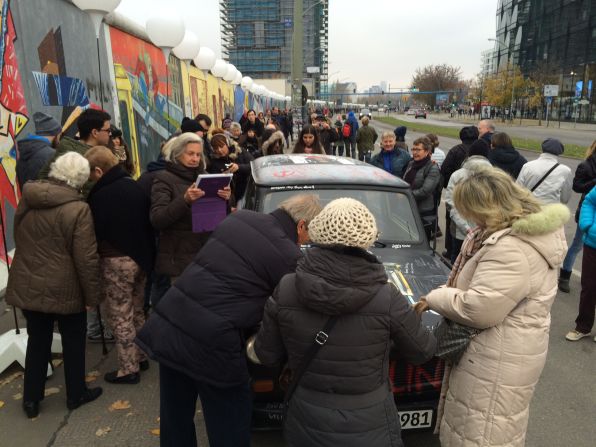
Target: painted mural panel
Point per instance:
(155, 117)
(13, 118)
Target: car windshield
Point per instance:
(392, 210)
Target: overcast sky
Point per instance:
(372, 40)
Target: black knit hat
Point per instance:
(46, 125)
(190, 125)
(479, 147)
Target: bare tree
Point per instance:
(441, 77)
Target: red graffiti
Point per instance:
(284, 173)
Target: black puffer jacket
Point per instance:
(34, 153)
(507, 159)
(171, 216)
(584, 179)
(344, 397)
(197, 327)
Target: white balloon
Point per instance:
(205, 59)
(246, 83)
(166, 30)
(238, 79)
(189, 48)
(104, 6)
(231, 73)
(220, 68)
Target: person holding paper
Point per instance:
(229, 158)
(173, 192)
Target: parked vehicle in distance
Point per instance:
(365, 112)
(411, 112)
(411, 266)
(420, 113)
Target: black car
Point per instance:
(402, 247)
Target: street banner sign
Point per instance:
(551, 90)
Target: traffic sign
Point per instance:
(551, 90)
(549, 100)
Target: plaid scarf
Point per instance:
(469, 248)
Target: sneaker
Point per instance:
(576, 335)
(96, 338)
(89, 395)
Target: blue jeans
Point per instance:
(573, 250)
(227, 411)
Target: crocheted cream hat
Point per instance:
(344, 222)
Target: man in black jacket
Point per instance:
(125, 243)
(196, 332)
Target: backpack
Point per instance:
(346, 131)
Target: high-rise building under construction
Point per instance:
(257, 38)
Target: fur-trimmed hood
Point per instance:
(543, 231)
(275, 137)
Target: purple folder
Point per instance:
(210, 210)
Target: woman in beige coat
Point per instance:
(506, 289)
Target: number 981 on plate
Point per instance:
(412, 420)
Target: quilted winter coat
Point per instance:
(507, 288)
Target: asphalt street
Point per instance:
(561, 414)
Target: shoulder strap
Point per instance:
(319, 341)
(544, 177)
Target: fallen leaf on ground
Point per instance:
(155, 432)
(17, 396)
(92, 376)
(120, 405)
(102, 431)
(1, 403)
(50, 391)
(11, 378)
(129, 414)
(57, 362)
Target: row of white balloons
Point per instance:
(167, 31)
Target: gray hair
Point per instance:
(489, 124)
(235, 125)
(71, 168)
(302, 207)
(174, 148)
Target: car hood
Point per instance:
(415, 272)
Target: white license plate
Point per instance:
(411, 420)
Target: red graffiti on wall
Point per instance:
(13, 117)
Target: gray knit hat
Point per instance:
(552, 146)
(344, 222)
(46, 125)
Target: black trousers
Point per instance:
(587, 298)
(40, 328)
(227, 411)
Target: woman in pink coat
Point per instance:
(504, 284)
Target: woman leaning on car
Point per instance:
(344, 398)
(505, 286)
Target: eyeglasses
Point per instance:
(108, 130)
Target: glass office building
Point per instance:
(554, 36)
(257, 37)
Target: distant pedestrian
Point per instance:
(120, 149)
(350, 140)
(198, 332)
(391, 158)
(548, 179)
(366, 138)
(35, 150)
(400, 137)
(126, 249)
(344, 397)
(250, 121)
(583, 182)
(338, 148)
(54, 277)
(327, 134)
(308, 141)
(273, 142)
(587, 299)
(504, 156)
(438, 154)
(503, 284)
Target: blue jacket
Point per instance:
(399, 161)
(354, 123)
(587, 219)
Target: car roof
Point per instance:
(313, 169)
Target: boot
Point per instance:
(564, 277)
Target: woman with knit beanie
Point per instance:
(344, 396)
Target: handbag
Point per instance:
(453, 340)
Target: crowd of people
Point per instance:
(96, 248)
